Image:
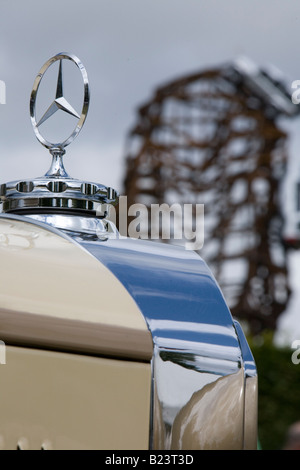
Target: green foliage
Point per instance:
(278, 391)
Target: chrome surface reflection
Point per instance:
(79, 227)
(197, 355)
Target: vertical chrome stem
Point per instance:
(57, 168)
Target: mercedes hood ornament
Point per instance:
(56, 190)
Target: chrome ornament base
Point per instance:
(60, 194)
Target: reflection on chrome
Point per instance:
(205, 400)
(187, 384)
(79, 227)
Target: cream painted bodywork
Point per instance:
(55, 400)
(53, 293)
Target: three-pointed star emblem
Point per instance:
(59, 102)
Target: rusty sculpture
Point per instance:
(210, 138)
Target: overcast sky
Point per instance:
(129, 47)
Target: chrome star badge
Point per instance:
(59, 103)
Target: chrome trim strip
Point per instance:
(248, 359)
(250, 392)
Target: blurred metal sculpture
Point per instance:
(214, 138)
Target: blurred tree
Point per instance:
(278, 397)
(213, 138)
